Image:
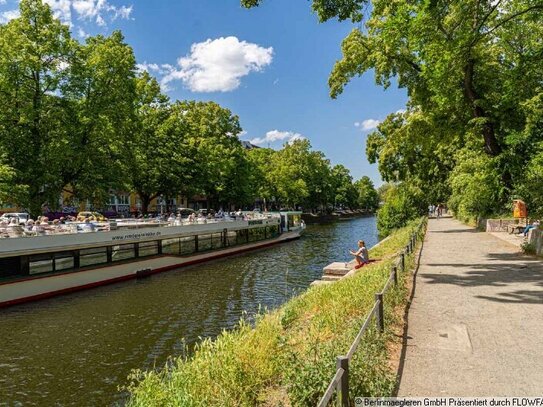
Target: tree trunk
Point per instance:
(145, 201)
(491, 143)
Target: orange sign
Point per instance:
(519, 209)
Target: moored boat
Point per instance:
(37, 267)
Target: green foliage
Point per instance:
(368, 197)
(289, 356)
(326, 9)
(475, 185)
(403, 203)
(66, 108)
(528, 247)
(346, 193)
(472, 70)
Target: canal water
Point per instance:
(77, 349)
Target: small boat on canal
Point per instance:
(38, 267)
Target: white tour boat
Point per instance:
(36, 267)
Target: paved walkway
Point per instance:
(476, 321)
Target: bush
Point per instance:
(476, 188)
(403, 203)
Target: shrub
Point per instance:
(403, 203)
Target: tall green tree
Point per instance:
(288, 173)
(35, 50)
(154, 156)
(221, 169)
(261, 161)
(345, 192)
(66, 108)
(367, 195)
(101, 92)
(472, 70)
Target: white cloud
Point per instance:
(276, 135)
(401, 111)
(148, 67)
(8, 15)
(218, 65)
(82, 34)
(88, 10)
(368, 124)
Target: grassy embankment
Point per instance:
(289, 357)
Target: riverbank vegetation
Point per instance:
(81, 118)
(288, 358)
(472, 131)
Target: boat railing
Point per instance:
(113, 224)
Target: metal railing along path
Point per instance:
(340, 382)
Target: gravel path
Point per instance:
(476, 322)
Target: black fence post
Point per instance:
(402, 258)
(343, 363)
(380, 312)
(395, 274)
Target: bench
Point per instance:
(518, 229)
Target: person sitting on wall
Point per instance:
(361, 255)
(534, 225)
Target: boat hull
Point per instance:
(38, 287)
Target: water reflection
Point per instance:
(76, 349)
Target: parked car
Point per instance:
(22, 217)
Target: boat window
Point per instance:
(64, 261)
(271, 231)
(256, 234)
(231, 238)
(170, 246)
(41, 263)
(148, 249)
(204, 243)
(123, 252)
(241, 236)
(216, 240)
(89, 257)
(187, 245)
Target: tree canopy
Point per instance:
(472, 69)
(80, 117)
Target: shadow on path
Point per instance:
(503, 271)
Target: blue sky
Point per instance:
(269, 65)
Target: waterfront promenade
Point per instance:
(475, 325)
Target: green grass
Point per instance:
(288, 358)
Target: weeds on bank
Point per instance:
(289, 357)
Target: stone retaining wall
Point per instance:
(501, 225)
(535, 236)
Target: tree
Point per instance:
(221, 168)
(65, 108)
(261, 161)
(403, 203)
(345, 193)
(101, 91)
(34, 52)
(154, 158)
(406, 149)
(367, 195)
(288, 173)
